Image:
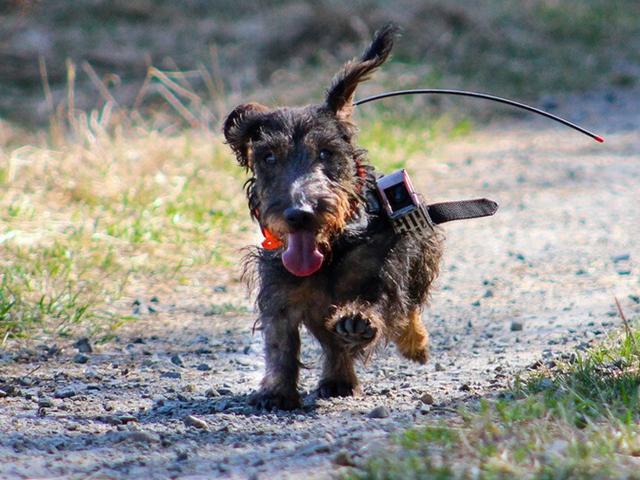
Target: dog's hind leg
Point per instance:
(413, 340)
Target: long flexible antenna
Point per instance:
(464, 93)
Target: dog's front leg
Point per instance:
(279, 387)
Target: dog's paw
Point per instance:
(355, 329)
(268, 400)
(336, 388)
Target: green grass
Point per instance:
(578, 419)
(394, 141)
(93, 216)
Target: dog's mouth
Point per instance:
(302, 257)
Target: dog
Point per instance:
(330, 261)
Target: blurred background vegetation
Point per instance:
(197, 58)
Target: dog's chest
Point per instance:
(357, 272)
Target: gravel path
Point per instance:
(167, 398)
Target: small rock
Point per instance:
(344, 458)
(65, 393)
(128, 419)
(488, 294)
(196, 422)
(379, 412)
(176, 360)
(427, 398)
(182, 456)
(476, 303)
(516, 326)
(111, 419)
(174, 375)
(203, 367)
(212, 392)
(45, 402)
(139, 436)
(83, 345)
(80, 358)
(439, 367)
(220, 289)
(3, 394)
(465, 387)
(621, 258)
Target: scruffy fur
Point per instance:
(373, 283)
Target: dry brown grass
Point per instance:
(92, 211)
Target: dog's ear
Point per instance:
(340, 95)
(239, 128)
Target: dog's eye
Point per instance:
(325, 154)
(269, 158)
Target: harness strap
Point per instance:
(461, 210)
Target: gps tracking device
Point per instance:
(402, 204)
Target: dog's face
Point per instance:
(305, 167)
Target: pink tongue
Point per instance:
(302, 257)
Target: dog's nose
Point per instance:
(298, 218)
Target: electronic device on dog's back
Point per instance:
(402, 204)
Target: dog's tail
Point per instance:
(340, 94)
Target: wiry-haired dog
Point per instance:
(330, 263)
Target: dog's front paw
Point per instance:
(355, 329)
(336, 388)
(269, 400)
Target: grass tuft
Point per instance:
(575, 419)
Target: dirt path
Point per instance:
(534, 281)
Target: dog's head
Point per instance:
(306, 170)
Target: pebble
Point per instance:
(344, 458)
(203, 367)
(516, 326)
(45, 402)
(138, 436)
(83, 345)
(621, 258)
(439, 367)
(427, 398)
(128, 419)
(379, 412)
(465, 387)
(80, 358)
(196, 422)
(171, 375)
(65, 393)
(212, 392)
(3, 394)
(176, 360)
